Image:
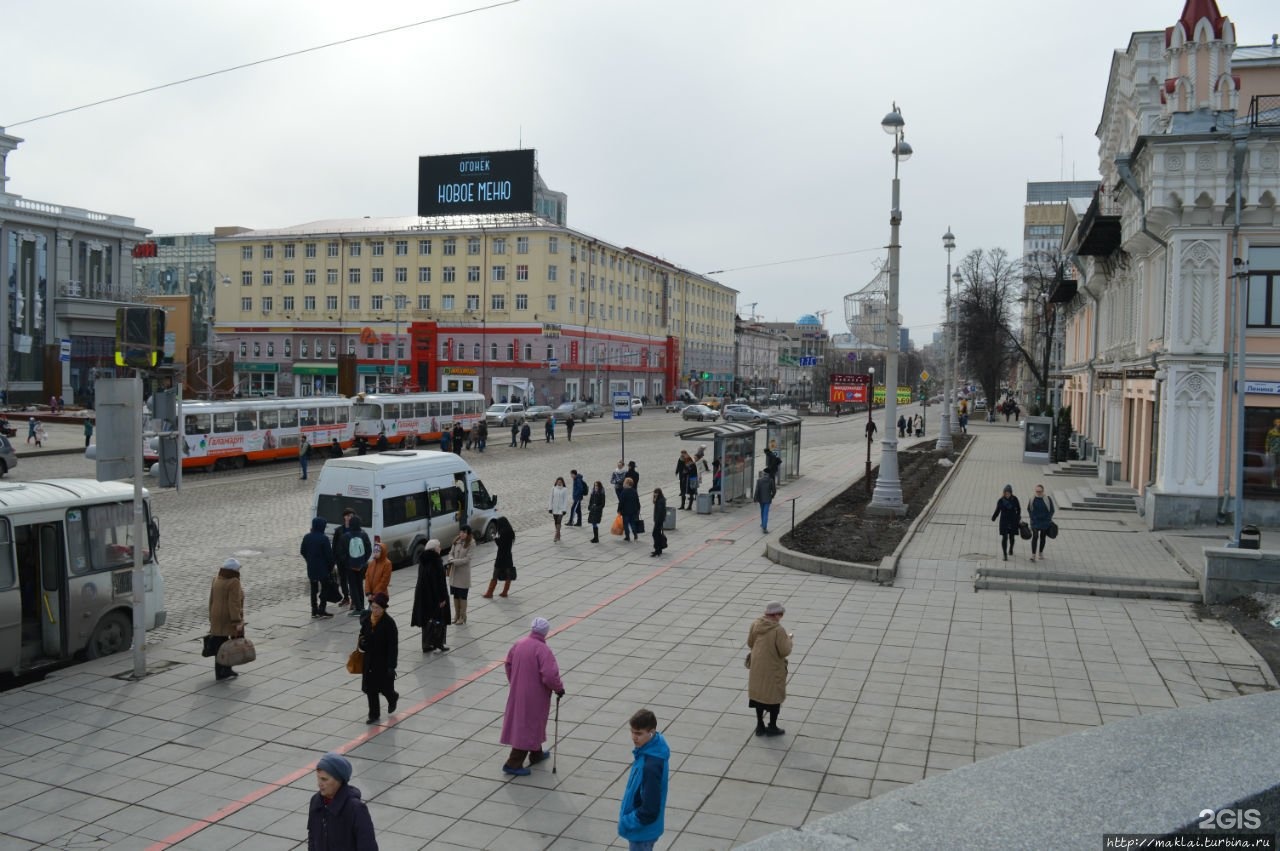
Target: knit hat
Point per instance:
(1008, 488)
(774, 608)
(381, 599)
(433, 545)
(231, 564)
(541, 626)
(336, 766)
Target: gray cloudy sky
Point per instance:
(718, 134)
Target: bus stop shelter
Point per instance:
(734, 446)
(784, 438)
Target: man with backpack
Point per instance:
(356, 550)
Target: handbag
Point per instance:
(637, 525)
(746, 663)
(1052, 531)
(237, 651)
(617, 526)
(210, 645)
(329, 591)
(1024, 530)
(355, 662)
(434, 633)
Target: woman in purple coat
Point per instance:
(534, 675)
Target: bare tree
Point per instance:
(1043, 271)
(990, 286)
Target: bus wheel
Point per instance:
(418, 549)
(237, 463)
(114, 634)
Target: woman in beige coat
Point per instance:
(767, 685)
(226, 612)
(460, 573)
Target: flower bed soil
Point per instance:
(842, 530)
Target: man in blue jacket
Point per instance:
(579, 494)
(318, 552)
(640, 820)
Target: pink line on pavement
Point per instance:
(272, 786)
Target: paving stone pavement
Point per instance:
(888, 685)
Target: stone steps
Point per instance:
(1081, 469)
(1053, 582)
(1092, 499)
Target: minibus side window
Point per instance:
(8, 577)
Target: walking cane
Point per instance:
(555, 745)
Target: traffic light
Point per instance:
(706, 376)
(139, 336)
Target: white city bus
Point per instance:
(66, 562)
(411, 417)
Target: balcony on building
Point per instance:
(1099, 231)
(1264, 111)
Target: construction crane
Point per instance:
(822, 315)
(752, 316)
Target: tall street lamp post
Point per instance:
(887, 497)
(871, 396)
(948, 384)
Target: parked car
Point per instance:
(505, 414)
(701, 413)
(676, 406)
(742, 414)
(712, 402)
(637, 407)
(538, 412)
(572, 411)
(594, 410)
(8, 457)
(777, 398)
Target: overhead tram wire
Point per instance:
(269, 59)
(795, 260)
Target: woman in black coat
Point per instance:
(337, 817)
(431, 599)
(629, 508)
(659, 517)
(1009, 510)
(379, 639)
(595, 510)
(504, 567)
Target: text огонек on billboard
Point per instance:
(493, 182)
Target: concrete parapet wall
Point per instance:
(1148, 774)
(1231, 573)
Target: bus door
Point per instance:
(10, 604)
(99, 569)
(38, 547)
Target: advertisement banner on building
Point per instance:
(488, 182)
(849, 388)
(904, 394)
(573, 351)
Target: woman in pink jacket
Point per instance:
(533, 674)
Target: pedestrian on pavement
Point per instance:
(770, 646)
(41, 434)
(765, 490)
(380, 641)
(918, 422)
(377, 576)
(340, 556)
(682, 474)
(482, 435)
(691, 483)
(629, 508)
(902, 425)
(558, 504)
(616, 477)
(515, 434)
(459, 435)
(533, 674)
(464, 546)
(633, 474)
(88, 431)
(304, 455)
(549, 429)
(335, 449)
(579, 488)
(700, 457)
(871, 429)
(772, 461)
(1009, 510)
(595, 510)
(318, 554)
(717, 483)
(446, 440)
(383, 444)
(31, 430)
(226, 613)
(431, 599)
(568, 428)
(338, 817)
(504, 566)
(525, 434)
(644, 801)
(659, 517)
(1040, 511)
(356, 549)
(964, 423)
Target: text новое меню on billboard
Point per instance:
(492, 182)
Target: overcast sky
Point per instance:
(718, 134)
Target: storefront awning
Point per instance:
(315, 369)
(257, 367)
(383, 369)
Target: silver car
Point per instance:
(701, 413)
(573, 411)
(742, 414)
(8, 458)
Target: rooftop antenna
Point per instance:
(520, 137)
(1062, 154)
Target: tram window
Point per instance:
(246, 420)
(224, 422)
(391, 412)
(420, 409)
(197, 424)
(327, 416)
(288, 418)
(435, 409)
(344, 414)
(8, 577)
(404, 509)
(457, 407)
(269, 419)
(307, 416)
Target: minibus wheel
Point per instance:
(114, 634)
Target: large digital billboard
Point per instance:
(492, 182)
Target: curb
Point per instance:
(929, 508)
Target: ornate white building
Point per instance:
(1180, 240)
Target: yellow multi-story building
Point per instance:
(464, 302)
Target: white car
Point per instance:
(637, 407)
(505, 414)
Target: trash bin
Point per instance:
(704, 503)
(1250, 538)
(670, 521)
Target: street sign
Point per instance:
(808, 360)
(622, 404)
(924, 375)
(852, 356)
(64, 350)
(554, 364)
